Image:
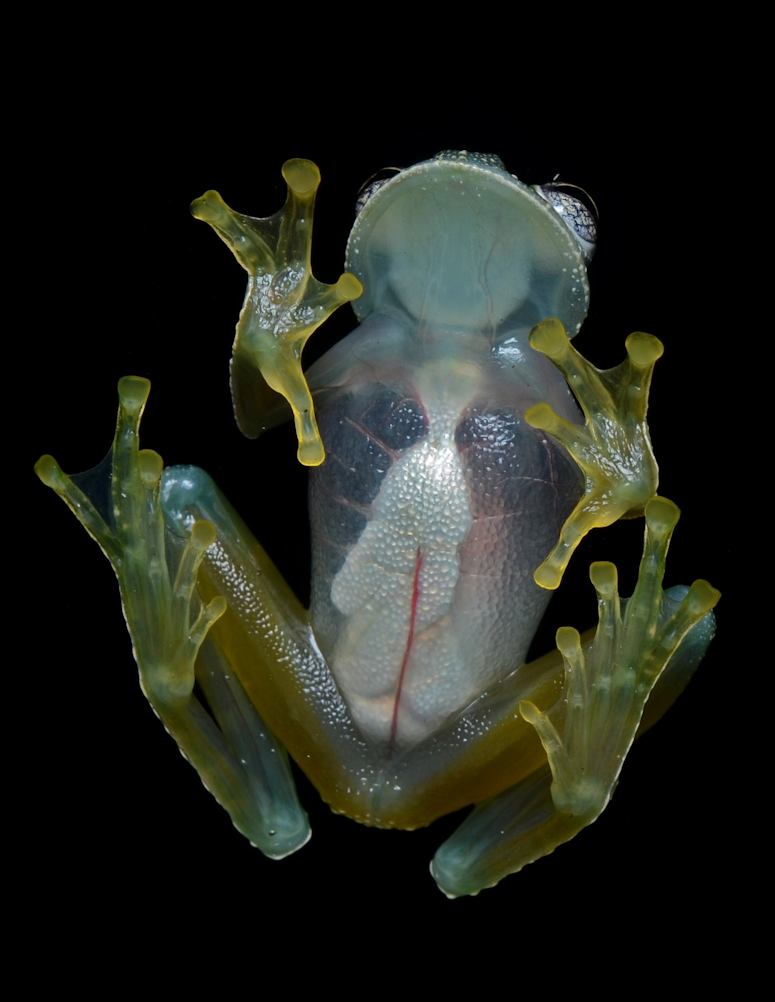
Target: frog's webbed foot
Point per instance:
(613, 448)
(606, 689)
(283, 305)
(587, 734)
(235, 755)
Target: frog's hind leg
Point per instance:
(587, 734)
(235, 754)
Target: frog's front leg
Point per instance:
(235, 754)
(613, 448)
(283, 305)
(587, 734)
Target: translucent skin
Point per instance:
(440, 526)
(458, 481)
(435, 506)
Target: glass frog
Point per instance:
(459, 448)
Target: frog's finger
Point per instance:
(605, 578)
(201, 537)
(644, 607)
(51, 474)
(634, 383)
(593, 510)
(284, 375)
(699, 600)
(249, 238)
(568, 642)
(127, 478)
(135, 476)
(573, 436)
(549, 337)
(295, 238)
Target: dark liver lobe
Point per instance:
(363, 431)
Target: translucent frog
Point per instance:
(459, 448)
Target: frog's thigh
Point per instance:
(265, 636)
(587, 735)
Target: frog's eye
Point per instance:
(578, 211)
(373, 184)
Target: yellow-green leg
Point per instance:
(235, 754)
(589, 731)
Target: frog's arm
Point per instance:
(588, 733)
(283, 305)
(235, 754)
(613, 448)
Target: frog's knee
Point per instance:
(186, 491)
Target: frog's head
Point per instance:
(421, 236)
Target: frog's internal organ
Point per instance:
(399, 660)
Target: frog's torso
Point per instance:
(437, 501)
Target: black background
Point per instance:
(125, 281)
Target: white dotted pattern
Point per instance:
(422, 507)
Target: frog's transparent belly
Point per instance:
(428, 521)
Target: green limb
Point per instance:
(612, 449)
(233, 752)
(283, 305)
(500, 837)
(262, 797)
(587, 734)
(606, 688)
(477, 855)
